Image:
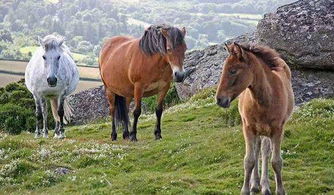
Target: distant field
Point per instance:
(19, 67)
(32, 49)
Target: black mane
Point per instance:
(153, 41)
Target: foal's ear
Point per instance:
(40, 41)
(239, 52)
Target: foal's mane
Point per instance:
(267, 55)
(153, 41)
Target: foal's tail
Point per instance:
(121, 111)
(68, 111)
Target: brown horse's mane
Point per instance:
(153, 41)
(267, 55)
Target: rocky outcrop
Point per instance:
(303, 32)
(89, 105)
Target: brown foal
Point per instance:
(136, 68)
(262, 80)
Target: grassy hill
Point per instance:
(201, 152)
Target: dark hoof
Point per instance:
(158, 137)
(266, 192)
(126, 135)
(113, 137)
(255, 190)
(133, 138)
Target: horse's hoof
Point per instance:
(126, 135)
(255, 189)
(133, 139)
(245, 192)
(113, 137)
(45, 135)
(37, 136)
(158, 137)
(266, 192)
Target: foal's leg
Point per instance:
(138, 93)
(39, 117)
(44, 107)
(249, 160)
(265, 150)
(277, 161)
(111, 100)
(255, 179)
(159, 110)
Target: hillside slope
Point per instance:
(201, 152)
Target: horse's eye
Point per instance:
(169, 50)
(233, 71)
(44, 57)
(58, 57)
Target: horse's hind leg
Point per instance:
(277, 161)
(255, 179)
(126, 133)
(159, 110)
(111, 100)
(265, 151)
(39, 117)
(61, 130)
(138, 94)
(54, 108)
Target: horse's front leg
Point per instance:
(39, 116)
(255, 178)
(249, 160)
(138, 94)
(159, 110)
(44, 108)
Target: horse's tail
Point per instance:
(68, 111)
(121, 111)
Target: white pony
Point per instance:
(51, 74)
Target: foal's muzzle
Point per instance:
(224, 102)
(179, 76)
(52, 81)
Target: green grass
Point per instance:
(201, 152)
(32, 49)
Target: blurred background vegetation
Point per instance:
(87, 23)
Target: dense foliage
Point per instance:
(17, 109)
(86, 23)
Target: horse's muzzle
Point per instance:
(178, 76)
(52, 81)
(224, 102)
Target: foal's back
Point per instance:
(277, 93)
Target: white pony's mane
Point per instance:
(50, 42)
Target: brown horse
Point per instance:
(263, 81)
(136, 68)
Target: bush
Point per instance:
(17, 109)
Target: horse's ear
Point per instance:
(184, 32)
(40, 41)
(239, 52)
(61, 42)
(164, 32)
